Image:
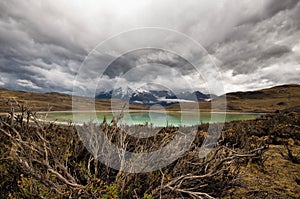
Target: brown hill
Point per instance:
(54, 101)
(279, 98)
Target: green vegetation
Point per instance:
(256, 158)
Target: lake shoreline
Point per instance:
(155, 117)
(153, 111)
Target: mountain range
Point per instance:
(150, 97)
(268, 100)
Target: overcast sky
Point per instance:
(255, 44)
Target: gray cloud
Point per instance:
(268, 43)
(153, 56)
(274, 51)
(275, 6)
(42, 44)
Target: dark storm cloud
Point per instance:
(274, 51)
(275, 6)
(270, 8)
(150, 56)
(25, 44)
(43, 43)
(266, 43)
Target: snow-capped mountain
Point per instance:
(148, 97)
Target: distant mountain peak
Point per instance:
(149, 97)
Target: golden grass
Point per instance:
(56, 101)
(280, 98)
(277, 178)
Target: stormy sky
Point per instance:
(254, 44)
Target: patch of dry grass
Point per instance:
(278, 177)
(269, 100)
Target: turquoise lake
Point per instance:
(154, 118)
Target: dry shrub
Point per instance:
(48, 160)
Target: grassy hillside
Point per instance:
(279, 98)
(53, 101)
(286, 97)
